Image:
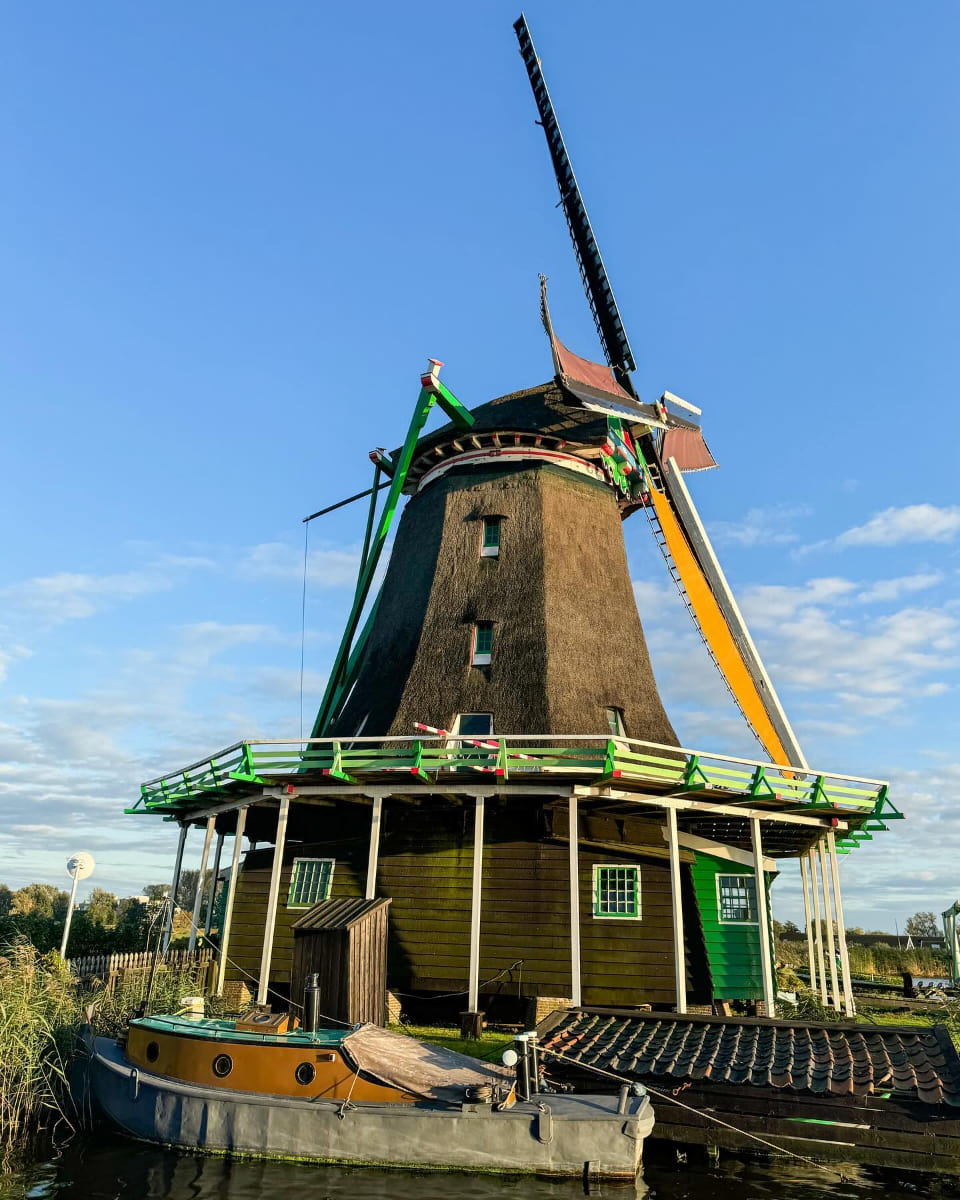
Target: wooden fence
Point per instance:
(106, 966)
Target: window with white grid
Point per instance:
(310, 882)
(616, 891)
(737, 899)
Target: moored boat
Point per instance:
(259, 1086)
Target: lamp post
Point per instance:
(79, 866)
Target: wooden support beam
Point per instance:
(766, 958)
(198, 898)
(679, 945)
(175, 884)
(373, 853)
(272, 897)
(685, 804)
(808, 924)
(573, 860)
(818, 926)
(849, 1007)
(828, 921)
(212, 890)
(231, 896)
(473, 984)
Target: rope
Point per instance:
(699, 1112)
(303, 620)
(348, 1104)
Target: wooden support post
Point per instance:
(830, 949)
(231, 896)
(849, 1007)
(766, 960)
(808, 924)
(679, 947)
(373, 853)
(818, 926)
(270, 923)
(473, 985)
(198, 898)
(174, 886)
(573, 848)
(212, 892)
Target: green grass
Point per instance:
(490, 1046)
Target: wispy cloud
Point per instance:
(770, 526)
(898, 526)
(327, 566)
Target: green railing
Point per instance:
(592, 758)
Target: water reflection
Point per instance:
(107, 1168)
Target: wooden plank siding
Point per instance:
(425, 867)
(733, 949)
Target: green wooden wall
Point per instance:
(733, 950)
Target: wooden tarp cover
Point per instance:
(430, 1072)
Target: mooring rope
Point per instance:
(699, 1112)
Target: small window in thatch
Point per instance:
(473, 724)
(310, 882)
(616, 891)
(615, 722)
(482, 643)
(490, 542)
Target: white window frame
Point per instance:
(756, 899)
(311, 858)
(600, 916)
(455, 727)
(481, 659)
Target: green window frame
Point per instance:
(615, 722)
(482, 643)
(490, 540)
(737, 899)
(310, 882)
(616, 891)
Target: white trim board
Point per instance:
(744, 858)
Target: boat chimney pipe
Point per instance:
(534, 1063)
(311, 1004)
(522, 1047)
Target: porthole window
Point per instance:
(306, 1073)
(222, 1065)
(153, 1051)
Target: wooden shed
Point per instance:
(344, 942)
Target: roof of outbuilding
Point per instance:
(921, 1064)
(336, 914)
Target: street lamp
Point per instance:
(79, 866)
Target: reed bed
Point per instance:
(42, 1007)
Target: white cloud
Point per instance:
(912, 523)
(893, 589)
(760, 527)
(326, 566)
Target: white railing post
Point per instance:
(473, 985)
(766, 961)
(818, 926)
(270, 921)
(198, 898)
(573, 865)
(231, 896)
(808, 924)
(174, 887)
(828, 920)
(848, 1005)
(373, 852)
(679, 945)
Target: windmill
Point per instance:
(671, 446)
(492, 704)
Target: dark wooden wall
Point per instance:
(351, 966)
(426, 861)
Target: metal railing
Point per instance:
(597, 757)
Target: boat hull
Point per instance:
(559, 1135)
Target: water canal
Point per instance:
(110, 1168)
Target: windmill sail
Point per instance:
(681, 447)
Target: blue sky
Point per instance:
(230, 236)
